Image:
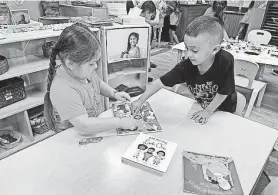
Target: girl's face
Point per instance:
(133, 40)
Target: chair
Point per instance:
(241, 103)
(259, 36)
(245, 73)
(247, 69)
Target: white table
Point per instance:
(58, 166)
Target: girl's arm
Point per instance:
(226, 36)
(106, 90)
(91, 125)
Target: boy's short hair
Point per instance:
(206, 25)
(149, 6)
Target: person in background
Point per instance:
(174, 22)
(208, 71)
(244, 22)
(217, 10)
(78, 104)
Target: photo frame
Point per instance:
(20, 16)
(131, 43)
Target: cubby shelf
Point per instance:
(34, 97)
(25, 65)
(127, 71)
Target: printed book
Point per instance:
(147, 122)
(150, 153)
(210, 175)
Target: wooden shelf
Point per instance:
(7, 152)
(111, 61)
(127, 71)
(25, 65)
(34, 97)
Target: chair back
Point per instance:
(247, 69)
(241, 103)
(259, 37)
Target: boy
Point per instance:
(147, 10)
(174, 22)
(208, 71)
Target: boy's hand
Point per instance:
(122, 96)
(201, 116)
(135, 106)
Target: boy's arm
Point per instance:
(152, 89)
(215, 103)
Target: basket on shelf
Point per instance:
(11, 91)
(38, 124)
(4, 66)
(46, 48)
(9, 138)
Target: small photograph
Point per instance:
(20, 16)
(131, 43)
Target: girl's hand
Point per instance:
(201, 116)
(122, 96)
(128, 123)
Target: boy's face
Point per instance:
(149, 16)
(200, 48)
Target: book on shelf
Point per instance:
(150, 153)
(210, 175)
(146, 119)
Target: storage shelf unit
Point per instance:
(268, 23)
(130, 74)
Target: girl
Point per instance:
(217, 10)
(132, 50)
(73, 92)
(174, 22)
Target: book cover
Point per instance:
(150, 153)
(210, 175)
(147, 122)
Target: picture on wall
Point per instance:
(127, 43)
(20, 16)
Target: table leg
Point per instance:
(260, 97)
(261, 71)
(251, 103)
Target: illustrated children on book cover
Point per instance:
(146, 119)
(210, 175)
(151, 152)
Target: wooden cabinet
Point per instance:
(74, 11)
(189, 13)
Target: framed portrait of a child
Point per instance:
(127, 43)
(20, 16)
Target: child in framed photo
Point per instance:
(20, 16)
(132, 50)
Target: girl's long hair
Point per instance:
(76, 43)
(128, 42)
